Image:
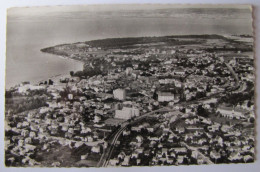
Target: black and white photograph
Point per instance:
(123, 85)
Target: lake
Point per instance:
(31, 29)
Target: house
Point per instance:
(41, 136)
(29, 147)
(214, 127)
(147, 152)
(137, 129)
(200, 160)
(119, 94)
(234, 148)
(165, 151)
(126, 161)
(180, 150)
(219, 140)
(121, 155)
(194, 154)
(165, 96)
(113, 162)
(248, 158)
(180, 159)
(180, 130)
(55, 164)
(95, 149)
(214, 154)
(179, 71)
(152, 143)
(107, 106)
(232, 113)
(32, 134)
(45, 146)
(48, 121)
(85, 130)
(127, 113)
(126, 133)
(25, 133)
(153, 138)
(67, 135)
(139, 139)
(70, 96)
(140, 150)
(225, 128)
(234, 156)
(78, 144)
(202, 140)
(64, 127)
(138, 161)
(89, 139)
(28, 140)
(188, 137)
(160, 145)
(246, 148)
(26, 124)
(97, 119)
(134, 155)
(71, 130)
(83, 157)
(171, 136)
(19, 125)
(155, 160)
(98, 111)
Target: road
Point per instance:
(196, 150)
(104, 160)
(232, 72)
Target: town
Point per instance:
(147, 101)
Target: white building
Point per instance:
(179, 71)
(127, 113)
(165, 96)
(70, 96)
(128, 70)
(95, 149)
(119, 94)
(231, 113)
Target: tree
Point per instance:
(201, 111)
(252, 120)
(249, 103)
(208, 88)
(8, 94)
(50, 82)
(71, 73)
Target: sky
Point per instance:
(20, 12)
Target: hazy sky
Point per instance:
(113, 9)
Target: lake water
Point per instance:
(29, 30)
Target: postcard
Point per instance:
(129, 85)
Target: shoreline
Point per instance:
(67, 58)
(59, 75)
(82, 63)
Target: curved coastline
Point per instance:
(65, 73)
(62, 74)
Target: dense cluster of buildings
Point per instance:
(199, 128)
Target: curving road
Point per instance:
(104, 160)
